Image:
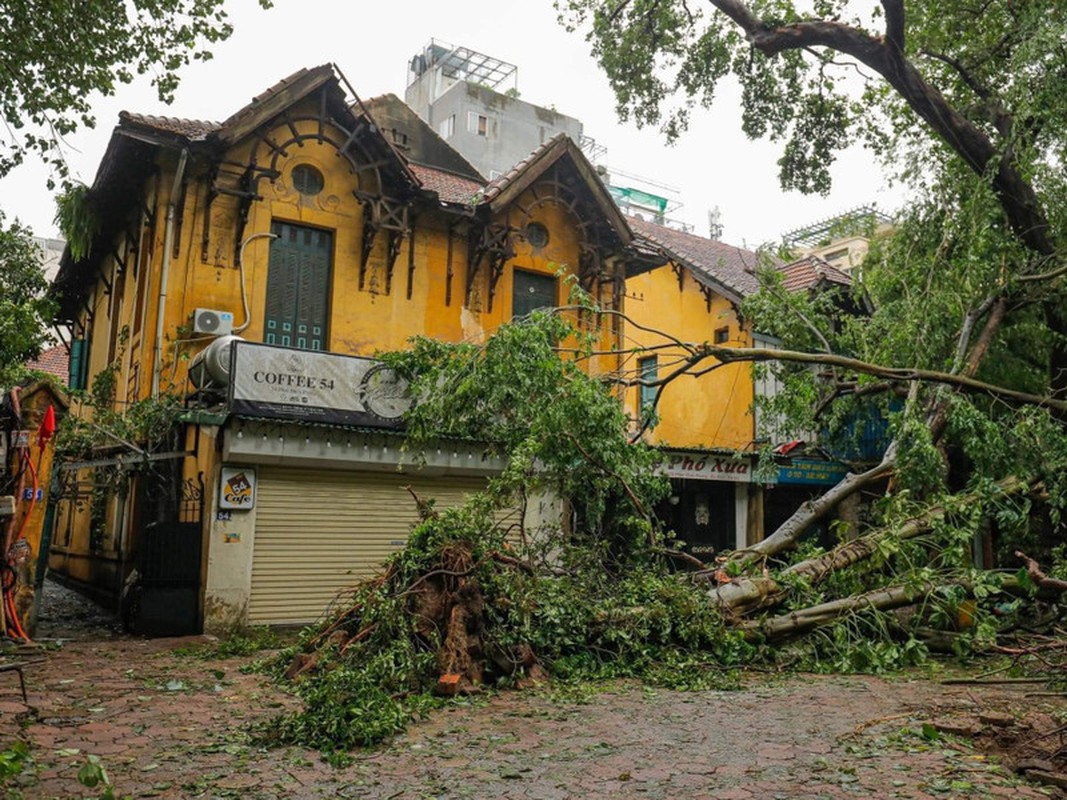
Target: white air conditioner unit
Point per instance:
(210, 322)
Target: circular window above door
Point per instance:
(307, 180)
(536, 234)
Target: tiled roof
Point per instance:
(450, 188)
(809, 272)
(266, 94)
(192, 129)
(299, 82)
(496, 186)
(731, 267)
(198, 130)
(55, 361)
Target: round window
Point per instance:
(307, 180)
(537, 234)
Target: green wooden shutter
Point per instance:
(298, 286)
(532, 290)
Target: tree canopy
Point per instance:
(962, 100)
(23, 308)
(55, 56)
(984, 79)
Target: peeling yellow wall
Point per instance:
(710, 411)
(361, 321)
(427, 299)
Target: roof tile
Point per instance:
(55, 361)
(809, 272)
(496, 186)
(450, 188)
(732, 267)
(268, 93)
(192, 129)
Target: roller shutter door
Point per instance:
(318, 532)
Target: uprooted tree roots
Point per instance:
(446, 607)
(455, 612)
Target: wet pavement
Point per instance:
(166, 722)
(66, 615)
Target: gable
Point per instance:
(307, 106)
(418, 142)
(558, 170)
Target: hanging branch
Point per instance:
(697, 353)
(885, 55)
(1040, 578)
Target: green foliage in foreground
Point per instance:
(592, 620)
(598, 598)
(59, 56)
(14, 760)
(239, 643)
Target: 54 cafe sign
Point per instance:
(237, 489)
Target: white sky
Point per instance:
(712, 165)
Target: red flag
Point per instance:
(48, 427)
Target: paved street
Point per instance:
(168, 723)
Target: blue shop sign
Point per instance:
(812, 472)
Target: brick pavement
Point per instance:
(170, 725)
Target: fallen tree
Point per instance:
(968, 325)
(478, 599)
(807, 619)
(747, 594)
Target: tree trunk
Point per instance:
(747, 594)
(808, 619)
(809, 513)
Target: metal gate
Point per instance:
(167, 601)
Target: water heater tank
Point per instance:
(210, 368)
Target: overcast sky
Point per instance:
(712, 165)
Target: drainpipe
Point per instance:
(168, 240)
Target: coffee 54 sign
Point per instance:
(280, 382)
(709, 467)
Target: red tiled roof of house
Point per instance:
(269, 92)
(198, 130)
(809, 272)
(275, 98)
(450, 188)
(192, 129)
(55, 361)
(731, 267)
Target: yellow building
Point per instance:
(318, 230)
(708, 422)
(253, 268)
(705, 424)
